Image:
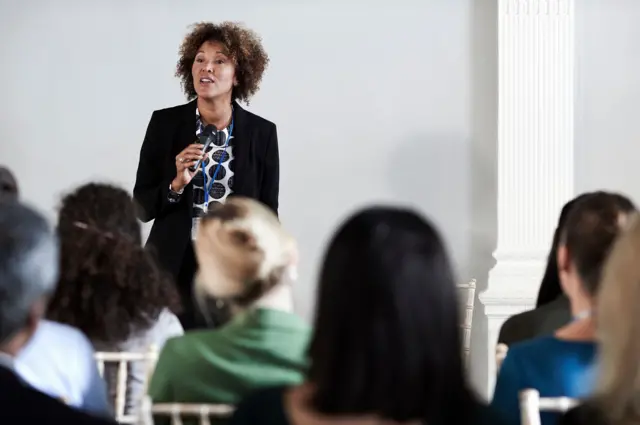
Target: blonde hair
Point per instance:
(618, 322)
(243, 252)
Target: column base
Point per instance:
(512, 288)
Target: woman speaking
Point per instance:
(197, 154)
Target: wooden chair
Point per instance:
(204, 413)
(501, 353)
(467, 294)
(531, 404)
(123, 360)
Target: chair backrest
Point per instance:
(501, 353)
(467, 295)
(176, 412)
(531, 404)
(122, 360)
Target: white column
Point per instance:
(535, 150)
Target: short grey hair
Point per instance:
(28, 265)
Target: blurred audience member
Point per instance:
(562, 364)
(247, 260)
(552, 307)
(28, 271)
(109, 286)
(616, 400)
(386, 346)
(8, 185)
(59, 360)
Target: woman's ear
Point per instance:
(562, 258)
(564, 268)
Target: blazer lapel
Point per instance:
(241, 149)
(186, 135)
(241, 142)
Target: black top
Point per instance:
(266, 407)
(542, 321)
(256, 167)
(22, 405)
(585, 414)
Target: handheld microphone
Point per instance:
(206, 137)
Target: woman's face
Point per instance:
(213, 71)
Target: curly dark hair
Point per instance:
(109, 286)
(244, 48)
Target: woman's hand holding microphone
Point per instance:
(184, 161)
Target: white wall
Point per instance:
(374, 101)
(608, 96)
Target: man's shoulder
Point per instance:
(60, 334)
(60, 329)
(19, 400)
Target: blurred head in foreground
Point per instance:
(245, 257)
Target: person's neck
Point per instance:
(582, 328)
(280, 297)
(580, 304)
(216, 111)
(12, 347)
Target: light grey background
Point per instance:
(608, 96)
(374, 102)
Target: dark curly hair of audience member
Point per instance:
(243, 46)
(109, 286)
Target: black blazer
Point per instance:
(21, 404)
(256, 174)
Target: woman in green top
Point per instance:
(246, 259)
(386, 347)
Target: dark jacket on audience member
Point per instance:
(585, 414)
(22, 405)
(541, 321)
(266, 407)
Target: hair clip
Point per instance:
(85, 226)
